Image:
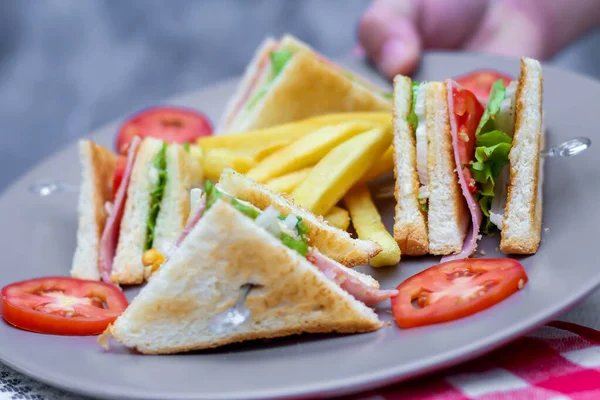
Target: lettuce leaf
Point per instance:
(212, 194)
(412, 118)
(497, 96)
(160, 163)
(250, 212)
(298, 244)
(186, 146)
(278, 61)
(491, 155)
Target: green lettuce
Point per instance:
(497, 96)
(160, 163)
(248, 211)
(299, 244)
(212, 194)
(491, 153)
(279, 59)
(186, 146)
(412, 118)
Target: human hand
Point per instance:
(394, 33)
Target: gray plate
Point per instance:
(39, 239)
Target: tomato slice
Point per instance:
(480, 82)
(456, 289)
(467, 113)
(62, 306)
(171, 124)
(119, 172)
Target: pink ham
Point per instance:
(110, 236)
(198, 212)
(351, 284)
(470, 243)
(265, 62)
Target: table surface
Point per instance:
(68, 66)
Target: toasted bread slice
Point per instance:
(448, 217)
(332, 242)
(127, 266)
(521, 231)
(203, 278)
(307, 86)
(175, 205)
(98, 169)
(410, 224)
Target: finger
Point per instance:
(389, 37)
(523, 36)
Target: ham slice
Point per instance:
(350, 283)
(470, 243)
(198, 212)
(265, 62)
(110, 235)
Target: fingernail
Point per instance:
(397, 57)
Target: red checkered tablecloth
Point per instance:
(560, 361)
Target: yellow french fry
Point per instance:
(368, 225)
(340, 169)
(263, 153)
(338, 217)
(307, 150)
(216, 160)
(381, 166)
(256, 140)
(287, 183)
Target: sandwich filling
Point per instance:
(493, 143)
(416, 119)
(289, 229)
(270, 67)
(158, 177)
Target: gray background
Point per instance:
(68, 66)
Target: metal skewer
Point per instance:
(235, 315)
(567, 148)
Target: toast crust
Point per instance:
(98, 169)
(410, 226)
(332, 242)
(224, 251)
(521, 231)
(307, 87)
(448, 216)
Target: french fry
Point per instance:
(338, 217)
(216, 160)
(307, 150)
(287, 183)
(256, 140)
(340, 169)
(368, 225)
(381, 166)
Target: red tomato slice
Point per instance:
(119, 172)
(480, 82)
(456, 289)
(467, 112)
(171, 124)
(62, 306)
